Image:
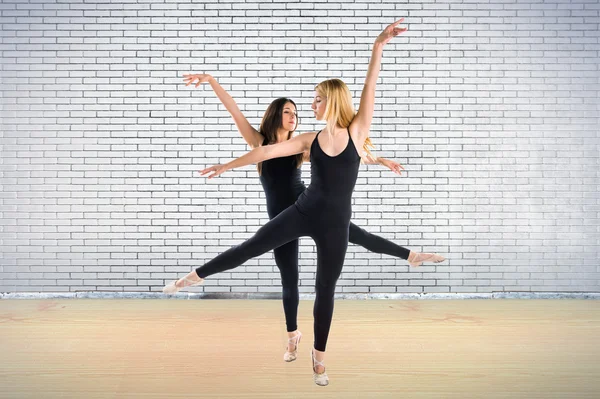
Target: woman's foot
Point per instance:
(294, 338)
(417, 258)
(174, 286)
(319, 374)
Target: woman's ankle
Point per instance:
(319, 355)
(189, 279)
(411, 256)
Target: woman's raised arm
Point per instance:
(362, 120)
(250, 134)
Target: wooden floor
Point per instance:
(94, 348)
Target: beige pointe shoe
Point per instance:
(291, 356)
(171, 288)
(320, 379)
(417, 258)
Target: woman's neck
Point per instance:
(337, 130)
(281, 135)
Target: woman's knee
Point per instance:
(290, 291)
(325, 289)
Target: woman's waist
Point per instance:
(329, 203)
(329, 193)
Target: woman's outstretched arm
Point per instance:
(388, 163)
(292, 146)
(250, 134)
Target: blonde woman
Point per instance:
(323, 210)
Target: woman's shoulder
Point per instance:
(307, 134)
(307, 137)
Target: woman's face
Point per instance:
(289, 118)
(318, 106)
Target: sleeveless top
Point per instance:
(281, 181)
(329, 195)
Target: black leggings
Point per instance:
(286, 258)
(331, 242)
(281, 234)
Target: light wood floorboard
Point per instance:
(82, 348)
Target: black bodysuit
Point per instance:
(322, 211)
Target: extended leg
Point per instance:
(375, 243)
(285, 227)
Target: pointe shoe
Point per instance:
(291, 356)
(421, 257)
(320, 379)
(172, 288)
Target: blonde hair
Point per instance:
(338, 108)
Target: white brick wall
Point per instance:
(491, 107)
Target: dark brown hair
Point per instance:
(271, 122)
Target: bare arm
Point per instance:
(292, 146)
(362, 120)
(250, 134)
(367, 159)
(388, 163)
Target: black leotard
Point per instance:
(281, 181)
(332, 183)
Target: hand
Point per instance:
(216, 170)
(202, 78)
(390, 31)
(393, 166)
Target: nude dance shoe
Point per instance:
(320, 379)
(419, 258)
(171, 288)
(291, 356)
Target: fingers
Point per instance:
(397, 168)
(398, 21)
(190, 78)
(191, 81)
(210, 175)
(211, 172)
(397, 30)
(392, 30)
(207, 170)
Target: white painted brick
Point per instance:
(101, 174)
